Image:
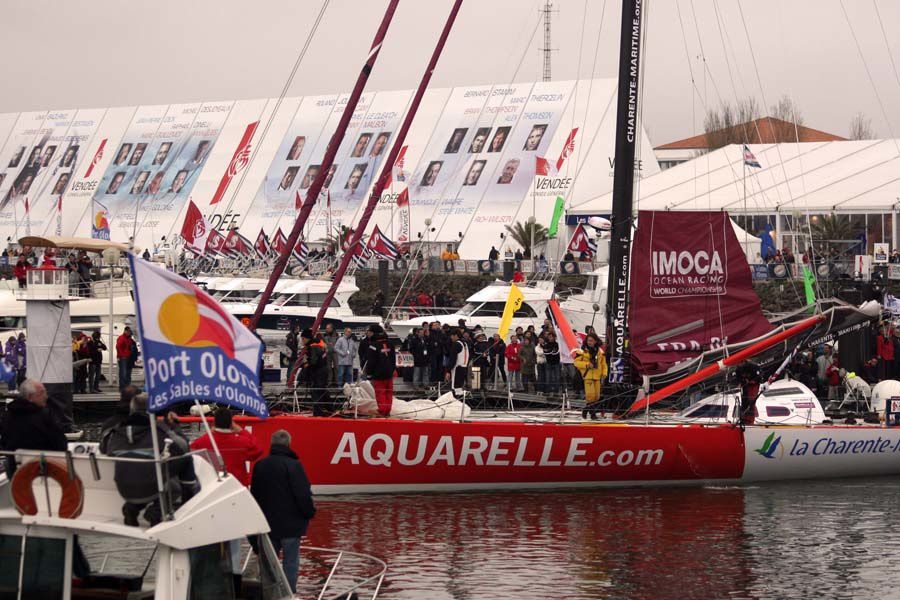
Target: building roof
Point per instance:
(820, 177)
(766, 130)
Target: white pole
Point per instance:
(160, 487)
(111, 347)
(212, 440)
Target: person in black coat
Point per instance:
(281, 488)
(28, 424)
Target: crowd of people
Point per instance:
(79, 266)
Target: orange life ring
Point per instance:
(72, 501)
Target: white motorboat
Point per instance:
(294, 301)
(485, 308)
(61, 502)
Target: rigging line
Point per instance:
(763, 95)
(458, 169)
(811, 258)
(887, 45)
(687, 56)
(869, 76)
(500, 158)
(723, 36)
(278, 102)
(578, 154)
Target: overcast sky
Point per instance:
(96, 53)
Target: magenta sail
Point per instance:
(691, 289)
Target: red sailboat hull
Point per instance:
(391, 455)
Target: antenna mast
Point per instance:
(547, 49)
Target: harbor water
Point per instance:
(816, 539)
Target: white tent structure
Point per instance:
(859, 179)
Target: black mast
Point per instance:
(627, 132)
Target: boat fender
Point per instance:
(72, 501)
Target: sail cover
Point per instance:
(690, 290)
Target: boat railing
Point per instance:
(95, 474)
(51, 283)
(403, 313)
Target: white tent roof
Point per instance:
(819, 177)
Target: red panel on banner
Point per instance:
(690, 288)
(385, 452)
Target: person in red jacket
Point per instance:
(885, 352)
(21, 271)
(833, 377)
(237, 446)
(123, 354)
(513, 364)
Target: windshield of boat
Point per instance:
(314, 300)
(494, 309)
(7, 323)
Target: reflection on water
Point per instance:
(811, 539)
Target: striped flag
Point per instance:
(582, 242)
(381, 246)
(262, 243)
(301, 252)
(279, 242)
(749, 159)
(237, 245)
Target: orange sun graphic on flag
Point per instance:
(197, 322)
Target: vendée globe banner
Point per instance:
(192, 348)
(468, 166)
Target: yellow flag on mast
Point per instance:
(513, 303)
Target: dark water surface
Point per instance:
(821, 539)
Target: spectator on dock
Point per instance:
(330, 337)
(822, 363)
(528, 363)
(96, 367)
(418, 347)
(498, 358)
(459, 360)
(292, 341)
(124, 349)
(345, 348)
(237, 446)
(29, 425)
(281, 488)
(833, 378)
(513, 364)
(21, 271)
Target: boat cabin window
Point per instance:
(313, 300)
(12, 322)
(45, 567)
(709, 411)
(211, 572)
(778, 411)
(495, 309)
(85, 320)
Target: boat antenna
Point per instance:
(312, 193)
(627, 134)
(388, 166)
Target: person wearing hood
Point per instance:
(9, 357)
(591, 364)
(281, 488)
(136, 480)
(21, 354)
(29, 425)
(380, 362)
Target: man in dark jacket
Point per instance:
(314, 371)
(293, 345)
(96, 347)
(281, 488)
(380, 363)
(28, 424)
(419, 348)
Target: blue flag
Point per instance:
(192, 348)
